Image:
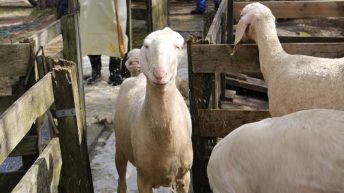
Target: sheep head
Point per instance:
(132, 63)
(159, 56)
(249, 16)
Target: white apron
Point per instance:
(98, 27)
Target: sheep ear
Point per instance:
(244, 22)
(178, 40)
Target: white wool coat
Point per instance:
(302, 152)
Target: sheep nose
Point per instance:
(159, 74)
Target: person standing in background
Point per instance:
(201, 6)
(61, 8)
(102, 31)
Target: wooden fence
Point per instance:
(155, 12)
(18, 61)
(209, 60)
(58, 92)
(47, 93)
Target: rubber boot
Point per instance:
(200, 7)
(96, 64)
(216, 4)
(61, 8)
(115, 77)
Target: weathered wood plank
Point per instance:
(302, 39)
(299, 9)
(44, 36)
(44, 174)
(217, 58)
(200, 91)
(129, 25)
(218, 123)
(71, 41)
(216, 24)
(72, 52)
(250, 84)
(14, 59)
(27, 146)
(76, 165)
(158, 14)
(16, 121)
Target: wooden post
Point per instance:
(129, 26)
(200, 90)
(207, 20)
(76, 169)
(157, 14)
(72, 49)
(222, 78)
(230, 22)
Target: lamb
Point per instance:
(152, 122)
(132, 63)
(295, 82)
(300, 152)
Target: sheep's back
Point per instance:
(299, 152)
(306, 82)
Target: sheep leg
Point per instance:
(183, 183)
(142, 184)
(121, 165)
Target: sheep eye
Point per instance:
(146, 46)
(178, 47)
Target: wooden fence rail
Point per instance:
(34, 103)
(14, 59)
(217, 57)
(298, 9)
(44, 174)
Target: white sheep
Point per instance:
(182, 79)
(132, 63)
(152, 122)
(295, 82)
(301, 152)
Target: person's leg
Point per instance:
(124, 71)
(216, 4)
(61, 8)
(96, 64)
(200, 7)
(115, 77)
